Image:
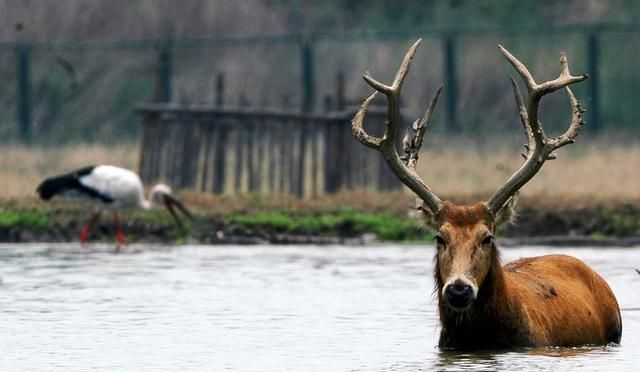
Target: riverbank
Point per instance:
(346, 218)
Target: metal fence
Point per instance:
(87, 90)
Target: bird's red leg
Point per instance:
(86, 230)
(119, 234)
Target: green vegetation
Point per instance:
(345, 222)
(622, 221)
(23, 222)
(29, 219)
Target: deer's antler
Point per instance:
(402, 167)
(539, 147)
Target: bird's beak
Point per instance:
(172, 203)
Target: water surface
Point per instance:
(261, 308)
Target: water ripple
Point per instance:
(260, 308)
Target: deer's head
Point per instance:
(466, 250)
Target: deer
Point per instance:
(550, 300)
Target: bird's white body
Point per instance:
(119, 184)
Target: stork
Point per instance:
(110, 188)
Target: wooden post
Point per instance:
(303, 127)
(292, 155)
(206, 165)
(261, 135)
(220, 161)
(314, 159)
(239, 144)
(283, 154)
(272, 148)
(251, 152)
(333, 159)
(191, 126)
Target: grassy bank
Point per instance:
(19, 225)
(328, 220)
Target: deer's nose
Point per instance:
(458, 294)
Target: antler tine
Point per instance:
(412, 144)
(520, 67)
(539, 148)
(387, 144)
(357, 125)
(524, 118)
(576, 123)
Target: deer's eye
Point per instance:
(440, 242)
(487, 240)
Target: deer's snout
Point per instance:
(459, 295)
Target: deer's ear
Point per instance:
(507, 213)
(427, 217)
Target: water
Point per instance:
(260, 308)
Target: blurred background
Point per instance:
(75, 74)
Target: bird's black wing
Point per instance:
(70, 183)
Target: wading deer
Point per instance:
(540, 301)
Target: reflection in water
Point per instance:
(260, 308)
(564, 352)
(527, 359)
(478, 361)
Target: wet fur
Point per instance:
(549, 300)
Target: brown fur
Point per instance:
(542, 301)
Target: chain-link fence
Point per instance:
(57, 92)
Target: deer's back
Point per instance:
(563, 301)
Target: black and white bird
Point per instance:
(110, 188)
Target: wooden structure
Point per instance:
(238, 150)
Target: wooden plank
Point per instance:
(189, 158)
(219, 166)
(250, 154)
(205, 165)
(239, 156)
(292, 156)
(300, 158)
(329, 151)
(272, 155)
(314, 158)
(283, 165)
(260, 155)
(164, 156)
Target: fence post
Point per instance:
(23, 72)
(308, 76)
(451, 81)
(593, 59)
(164, 71)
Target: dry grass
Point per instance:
(23, 168)
(588, 171)
(588, 174)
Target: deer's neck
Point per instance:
(493, 321)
